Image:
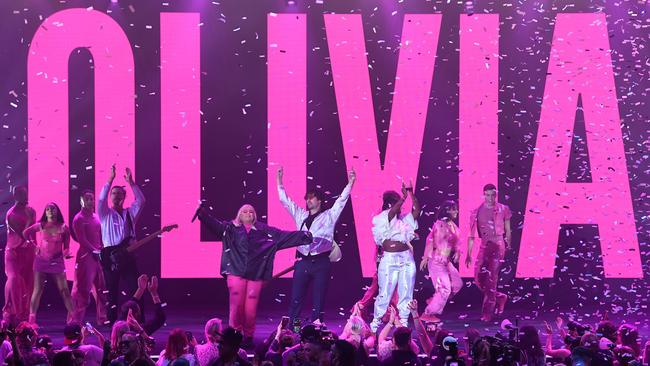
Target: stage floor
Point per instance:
(51, 322)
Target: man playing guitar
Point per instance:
(118, 231)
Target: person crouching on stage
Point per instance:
(249, 247)
(440, 254)
(394, 232)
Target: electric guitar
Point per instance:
(114, 257)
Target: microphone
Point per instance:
(196, 214)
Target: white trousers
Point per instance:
(396, 270)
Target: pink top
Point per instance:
(87, 232)
(445, 240)
(488, 222)
(17, 221)
(50, 242)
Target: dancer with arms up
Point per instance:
(118, 227)
(313, 264)
(394, 233)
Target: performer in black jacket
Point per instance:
(249, 248)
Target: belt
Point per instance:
(313, 256)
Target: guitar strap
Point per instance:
(130, 226)
(478, 227)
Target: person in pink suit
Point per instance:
(88, 274)
(50, 237)
(491, 222)
(440, 254)
(19, 260)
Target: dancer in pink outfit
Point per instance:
(51, 237)
(88, 275)
(440, 254)
(490, 221)
(19, 260)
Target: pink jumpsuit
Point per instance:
(88, 274)
(19, 262)
(489, 224)
(445, 277)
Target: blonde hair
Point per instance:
(212, 327)
(356, 324)
(237, 220)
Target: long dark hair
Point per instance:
(443, 211)
(59, 215)
(530, 344)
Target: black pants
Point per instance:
(125, 276)
(310, 270)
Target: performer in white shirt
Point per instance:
(118, 226)
(394, 232)
(313, 265)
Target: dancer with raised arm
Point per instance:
(249, 248)
(394, 233)
(118, 227)
(313, 265)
